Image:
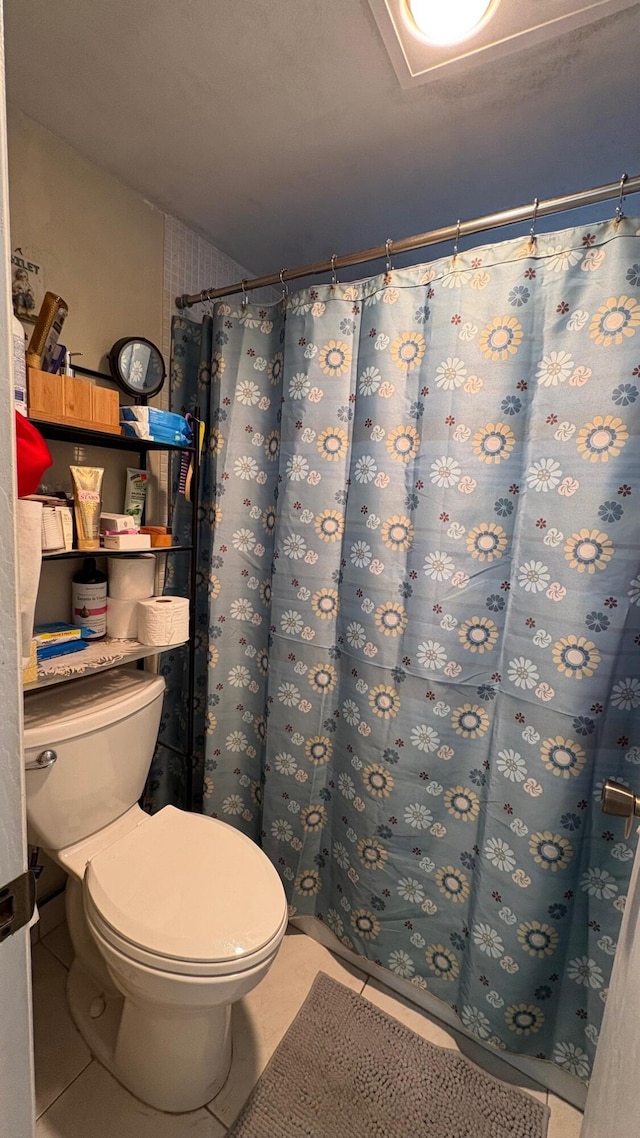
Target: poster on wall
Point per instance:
(27, 286)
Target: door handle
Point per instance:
(45, 759)
(621, 802)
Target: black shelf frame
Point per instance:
(65, 433)
(70, 554)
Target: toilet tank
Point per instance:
(103, 729)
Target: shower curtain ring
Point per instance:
(387, 248)
(455, 247)
(245, 298)
(532, 231)
(285, 287)
(619, 210)
(334, 258)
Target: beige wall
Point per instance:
(100, 244)
(101, 247)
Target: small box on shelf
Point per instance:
(160, 536)
(130, 541)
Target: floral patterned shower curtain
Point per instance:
(418, 615)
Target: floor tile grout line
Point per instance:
(52, 953)
(209, 1108)
(222, 1121)
(91, 1060)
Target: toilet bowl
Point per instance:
(172, 917)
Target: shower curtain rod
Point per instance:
(531, 212)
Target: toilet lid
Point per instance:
(187, 887)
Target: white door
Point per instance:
(17, 1109)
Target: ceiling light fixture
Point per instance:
(428, 38)
(448, 21)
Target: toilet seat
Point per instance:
(187, 894)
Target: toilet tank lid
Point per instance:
(188, 887)
(66, 711)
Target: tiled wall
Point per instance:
(192, 263)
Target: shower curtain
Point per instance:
(418, 616)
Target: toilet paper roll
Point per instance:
(29, 527)
(122, 619)
(132, 578)
(163, 620)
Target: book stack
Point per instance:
(59, 639)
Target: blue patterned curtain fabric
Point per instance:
(419, 616)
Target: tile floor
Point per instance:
(77, 1098)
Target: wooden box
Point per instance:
(72, 400)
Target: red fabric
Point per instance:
(33, 456)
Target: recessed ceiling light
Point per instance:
(448, 21)
(425, 38)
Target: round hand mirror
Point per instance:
(137, 366)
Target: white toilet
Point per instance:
(173, 917)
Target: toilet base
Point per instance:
(100, 1032)
(175, 1064)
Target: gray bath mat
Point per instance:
(345, 1068)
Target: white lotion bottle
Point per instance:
(19, 368)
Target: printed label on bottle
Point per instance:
(19, 375)
(89, 607)
(87, 495)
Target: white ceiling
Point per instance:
(280, 130)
